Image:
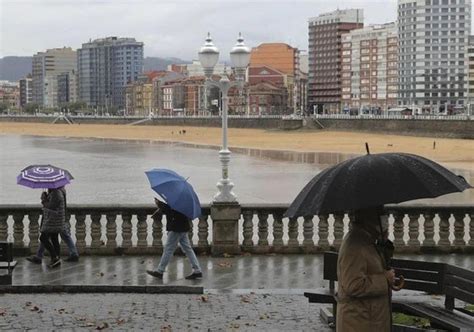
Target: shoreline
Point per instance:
(455, 153)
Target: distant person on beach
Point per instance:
(178, 226)
(54, 214)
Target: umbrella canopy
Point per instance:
(373, 180)
(176, 191)
(44, 177)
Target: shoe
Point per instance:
(155, 274)
(34, 259)
(72, 259)
(194, 275)
(55, 263)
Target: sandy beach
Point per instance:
(457, 153)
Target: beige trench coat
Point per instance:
(363, 292)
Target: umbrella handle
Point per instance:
(400, 284)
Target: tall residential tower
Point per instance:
(105, 67)
(325, 57)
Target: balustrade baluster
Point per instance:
(247, 242)
(293, 233)
(3, 227)
(428, 227)
(95, 231)
(308, 233)
(338, 230)
(263, 229)
(33, 231)
(157, 231)
(277, 230)
(459, 230)
(471, 229)
(444, 230)
(126, 231)
(18, 230)
(323, 232)
(203, 231)
(141, 231)
(413, 230)
(81, 232)
(398, 230)
(111, 228)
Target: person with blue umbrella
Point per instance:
(181, 207)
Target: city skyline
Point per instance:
(168, 28)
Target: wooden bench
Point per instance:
(433, 278)
(6, 262)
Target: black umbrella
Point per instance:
(374, 180)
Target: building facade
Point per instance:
(369, 68)
(10, 95)
(67, 88)
(46, 66)
(286, 59)
(470, 53)
(325, 57)
(26, 91)
(105, 67)
(433, 39)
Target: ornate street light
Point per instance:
(240, 58)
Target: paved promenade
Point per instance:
(244, 293)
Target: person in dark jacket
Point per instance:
(54, 217)
(178, 226)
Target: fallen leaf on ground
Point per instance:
(204, 298)
(3, 312)
(227, 255)
(28, 303)
(166, 328)
(224, 264)
(264, 316)
(35, 308)
(120, 321)
(244, 298)
(234, 326)
(102, 326)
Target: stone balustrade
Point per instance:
(262, 229)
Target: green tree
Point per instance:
(3, 106)
(31, 108)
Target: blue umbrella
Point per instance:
(44, 177)
(176, 191)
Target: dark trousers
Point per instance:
(51, 243)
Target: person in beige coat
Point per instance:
(363, 294)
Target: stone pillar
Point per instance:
(3, 227)
(156, 232)
(34, 231)
(142, 244)
(428, 227)
(225, 223)
(127, 231)
(247, 244)
(459, 230)
(277, 231)
(293, 245)
(262, 245)
(413, 231)
(338, 230)
(95, 232)
(398, 231)
(444, 244)
(308, 233)
(471, 230)
(323, 233)
(111, 228)
(203, 233)
(18, 232)
(81, 232)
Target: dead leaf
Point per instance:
(204, 298)
(224, 264)
(234, 326)
(102, 326)
(166, 328)
(226, 255)
(35, 308)
(245, 299)
(3, 312)
(120, 321)
(28, 303)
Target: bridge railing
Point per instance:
(117, 229)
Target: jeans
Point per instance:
(170, 247)
(51, 242)
(66, 237)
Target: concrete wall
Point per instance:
(413, 127)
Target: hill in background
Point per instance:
(13, 68)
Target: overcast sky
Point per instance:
(168, 28)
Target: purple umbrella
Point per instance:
(44, 177)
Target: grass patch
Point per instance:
(470, 307)
(403, 319)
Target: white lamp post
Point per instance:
(240, 58)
